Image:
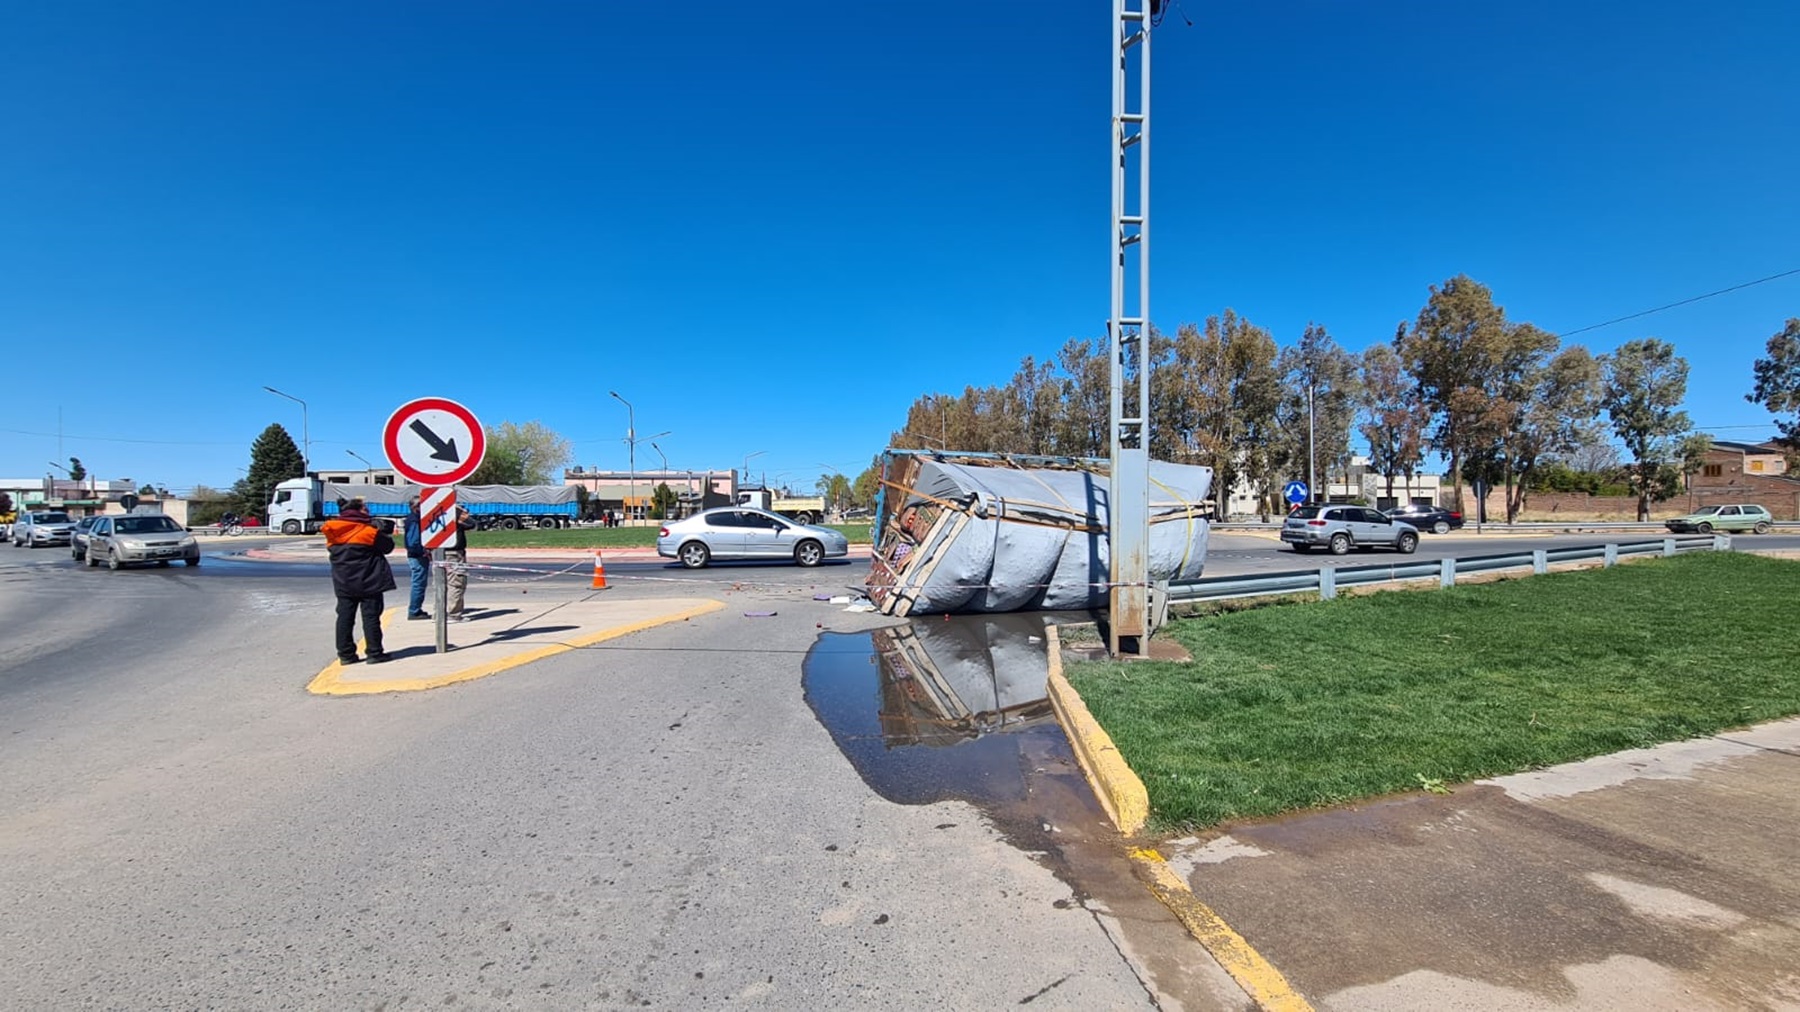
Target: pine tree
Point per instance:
(274, 458)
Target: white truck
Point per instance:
(800, 509)
(302, 505)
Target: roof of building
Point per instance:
(1765, 447)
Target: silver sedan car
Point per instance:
(121, 541)
(742, 533)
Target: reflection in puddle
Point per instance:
(943, 708)
(954, 710)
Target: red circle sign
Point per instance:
(434, 441)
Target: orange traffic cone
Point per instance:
(599, 573)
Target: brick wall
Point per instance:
(1780, 496)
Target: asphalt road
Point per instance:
(660, 820)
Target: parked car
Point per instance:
(1341, 528)
(78, 538)
(1428, 518)
(1734, 517)
(121, 541)
(742, 532)
(42, 527)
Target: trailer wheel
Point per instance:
(545, 523)
(290, 527)
(510, 523)
(803, 517)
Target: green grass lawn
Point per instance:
(1314, 703)
(603, 537)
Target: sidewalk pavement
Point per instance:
(1659, 878)
(496, 639)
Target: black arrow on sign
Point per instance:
(440, 448)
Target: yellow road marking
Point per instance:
(329, 682)
(1256, 975)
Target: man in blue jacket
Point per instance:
(419, 557)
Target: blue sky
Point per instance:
(771, 227)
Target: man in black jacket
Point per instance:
(360, 575)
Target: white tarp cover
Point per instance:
(1018, 552)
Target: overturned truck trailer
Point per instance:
(973, 532)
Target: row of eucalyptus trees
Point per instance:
(1497, 399)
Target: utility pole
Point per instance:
(1128, 329)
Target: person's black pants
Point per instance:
(346, 623)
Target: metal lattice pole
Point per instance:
(1128, 510)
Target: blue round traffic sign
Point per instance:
(1294, 492)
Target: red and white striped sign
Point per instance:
(437, 516)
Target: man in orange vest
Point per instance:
(360, 575)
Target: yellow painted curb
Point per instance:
(1257, 976)
(329, 682)
(1120, 791)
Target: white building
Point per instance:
(1362, 484)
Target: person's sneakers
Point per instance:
(350, 660)
(380, 658)
(417, 615)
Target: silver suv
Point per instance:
(1341, 528)
(41, 528)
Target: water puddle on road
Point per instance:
(941, 708)
(955, 709)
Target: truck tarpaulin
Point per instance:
(986, 533)
(519, 499)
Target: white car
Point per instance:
(743, 533)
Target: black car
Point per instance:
(1428, 518)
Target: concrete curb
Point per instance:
(1121, 793)
(1119, 790)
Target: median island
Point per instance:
(1298, 704)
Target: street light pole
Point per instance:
(305, 431)
(664, 456)
(630, 446)
(365, 460)
(747, 457)
(1311, 489)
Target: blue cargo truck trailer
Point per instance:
(302, 505)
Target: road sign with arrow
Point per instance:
(434, 441)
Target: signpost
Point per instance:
(1294, 492)
(436, 443)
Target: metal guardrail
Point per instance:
(1325, 581)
